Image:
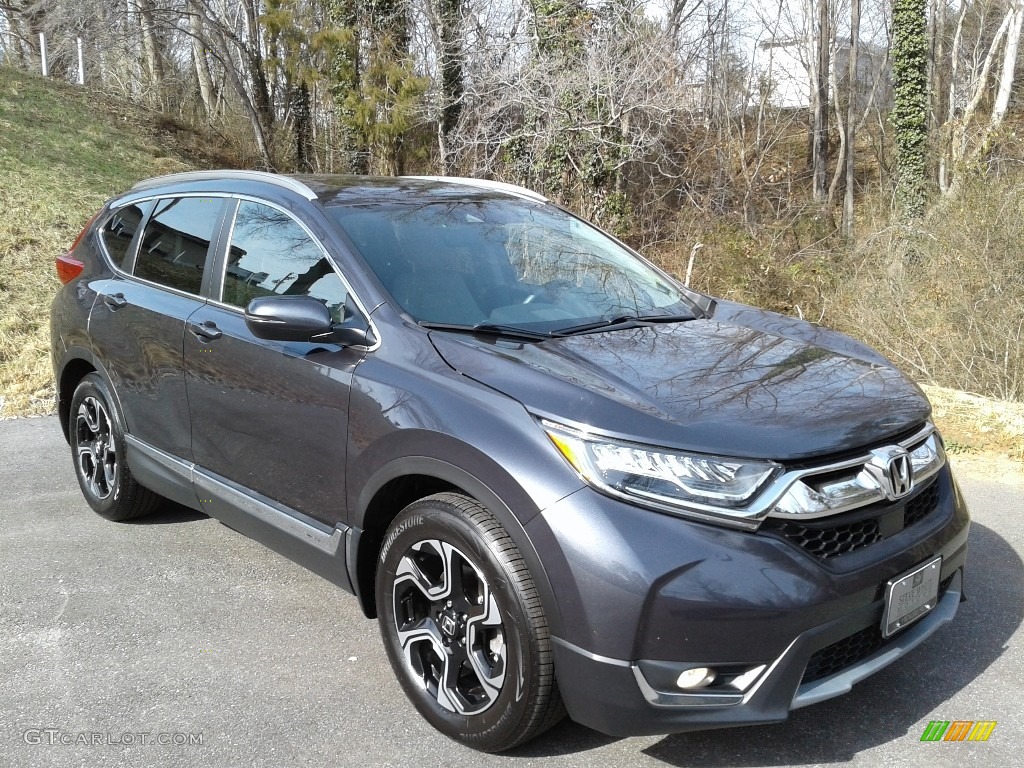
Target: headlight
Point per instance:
(708, 486)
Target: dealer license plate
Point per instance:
(911, 596)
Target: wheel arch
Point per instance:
(406, 480)
(79, 363)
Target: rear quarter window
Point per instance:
(119, 229)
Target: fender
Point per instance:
(471, 485)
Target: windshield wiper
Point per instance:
(490, 329)
(620, 320)
(679, 318)
(596, 325)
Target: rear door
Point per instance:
(267, 416)
(138, 321)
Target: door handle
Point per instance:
(207, 331)
(115, 301)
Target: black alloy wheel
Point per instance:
(98, 450)
(463, 625)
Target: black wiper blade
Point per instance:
(620, 320)
(596, 325)
(491, 329)
(667, 318)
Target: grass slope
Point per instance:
(63, 151)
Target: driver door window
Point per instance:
(270, 254)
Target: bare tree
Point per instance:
(851, 116)
(819, 154)
(978, 53)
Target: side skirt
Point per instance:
(308, 542)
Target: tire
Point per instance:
(452, 587)
(98, 453)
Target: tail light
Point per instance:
(68, 267)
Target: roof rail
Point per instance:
(286, 182)
(499, 186)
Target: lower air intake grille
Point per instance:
(826, 542)
(846, 652)
(922, 505)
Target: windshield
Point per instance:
(503, 262)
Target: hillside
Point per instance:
(63, 151)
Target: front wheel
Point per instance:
(463, 625)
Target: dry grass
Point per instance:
(944, 299)
(973, 425)
(63, 151)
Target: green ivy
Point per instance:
(909, 116)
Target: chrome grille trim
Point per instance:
(852, 490)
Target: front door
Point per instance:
(267, 416)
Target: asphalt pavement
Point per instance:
(174, 641)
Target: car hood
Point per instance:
(743, 382)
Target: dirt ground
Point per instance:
(984, 437)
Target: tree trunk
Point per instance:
(819, 165)
(945, 155)
(245, 99)
(151, 48)
(909, 114)
(261, 100)
(851, 125)
(1008, 71)
(958, 129)
(202, 66)
(301, 120)
(345, 84)
(839, 175)
(449, 17)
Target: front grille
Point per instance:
(826, 538)
(922, 505)
(844, 653)
(830, 541)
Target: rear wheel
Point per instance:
(98, 450)
(463, 625)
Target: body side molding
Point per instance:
(163, 468)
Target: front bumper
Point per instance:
(642, 596)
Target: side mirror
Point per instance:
(302, 318)
(348, 336)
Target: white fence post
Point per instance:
(42, 54)
(81, 64)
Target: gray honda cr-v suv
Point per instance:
(559, 479)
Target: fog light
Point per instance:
(698, 677)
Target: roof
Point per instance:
(340, 189)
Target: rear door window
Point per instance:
(177, 240)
